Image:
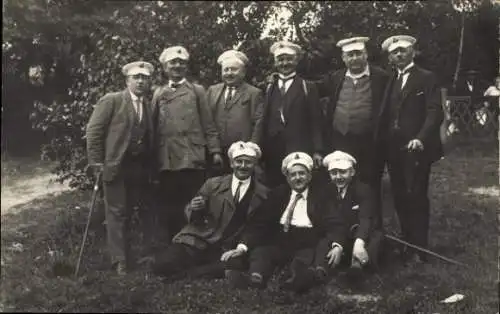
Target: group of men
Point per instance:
(261, 179)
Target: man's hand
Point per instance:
(318, 160)
(334, 256)
(94, 169)
(415, 145)
(197, 203)
(238, 251)
(359, 252)
(217, 160)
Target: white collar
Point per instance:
(304, 193)
(243, 182)
(170, 82)
(366, 72)
(405, 70)
(287, 77)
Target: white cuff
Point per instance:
(334, 244)
(242, 247)
(359, 243)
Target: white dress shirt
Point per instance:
(406, 74)
(287, 80)
(470, 85)
(356, 77)
(137, 102)
(245, 184)
(299, 217)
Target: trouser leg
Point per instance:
(177, 189)
(176, 258)
(399, 188)
(117, 219)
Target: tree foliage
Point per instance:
(75, 49)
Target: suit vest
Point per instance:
(137, 143)
(354, 107)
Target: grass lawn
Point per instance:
(40, 236)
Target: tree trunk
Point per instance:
(460, 51)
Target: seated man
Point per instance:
(354, 201)
(217, 214)
(286, 230)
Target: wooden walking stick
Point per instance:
(89, 217)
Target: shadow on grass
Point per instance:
(48, 232)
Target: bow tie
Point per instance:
(175, 85)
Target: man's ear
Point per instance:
(353, 171)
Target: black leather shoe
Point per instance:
(302, 279)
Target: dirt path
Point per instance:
(24, 190)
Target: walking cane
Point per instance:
(421, 249)
(89, 217)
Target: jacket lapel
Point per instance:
(377, 86)
(311, 209)
(127, 101)
(411, 83)
(225, 189)
(218, 95)
(387, 93)
(291, 95)
(257, 197)
(337, 82)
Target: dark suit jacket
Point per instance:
(109, 130)
(302, 115)
(331, 86)
(357, 207)
(420, 113)
(265, 224)
(207, 227)
(240, 120)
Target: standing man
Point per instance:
(217, 215)
(185, 135)
(410, 119)
(286, 230)
(355, 95)
(235, 104)
(292, 117)
(119, 140)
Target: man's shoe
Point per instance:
(257, 281)
(236, 279)
(414, 260)
(321, 275)
(302, 279)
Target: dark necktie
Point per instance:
(229, 95)
(399, 80)
(283, 84)
(237, 193)
(289, 216)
